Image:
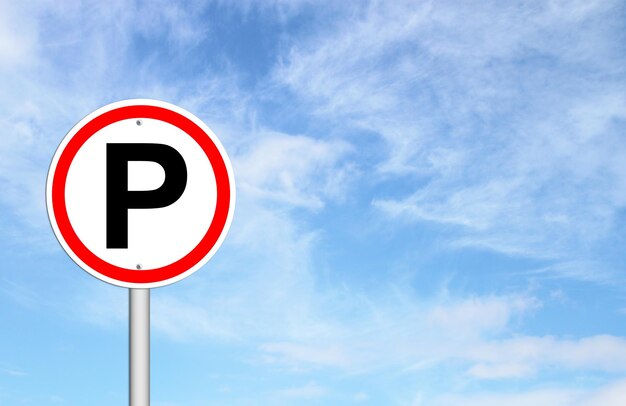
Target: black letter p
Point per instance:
(119, 199)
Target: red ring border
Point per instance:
(192, 258)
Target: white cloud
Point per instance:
(403, 332)
(361, 397)
(495, 109)
(298, 171)
(183, 321)
(541, 397)
(609, 395)
(525, 356)
(612, 394)
(308, 391)
(306, 354)
(500, 371)
(478, 315)
(472, 332)
(18, 37)
(13, 372)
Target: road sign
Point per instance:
(140, 193)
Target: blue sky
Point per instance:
(431, 202)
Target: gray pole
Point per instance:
(139, 347)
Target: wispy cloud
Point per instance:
(298, 171)
(308, 391)
(608, 395)
(472, 332)
(13, 372)
(507, 117)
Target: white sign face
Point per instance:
(140, 193)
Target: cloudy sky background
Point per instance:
(431, 202)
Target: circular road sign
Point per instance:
(140, 193)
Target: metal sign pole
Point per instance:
(139, 347)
